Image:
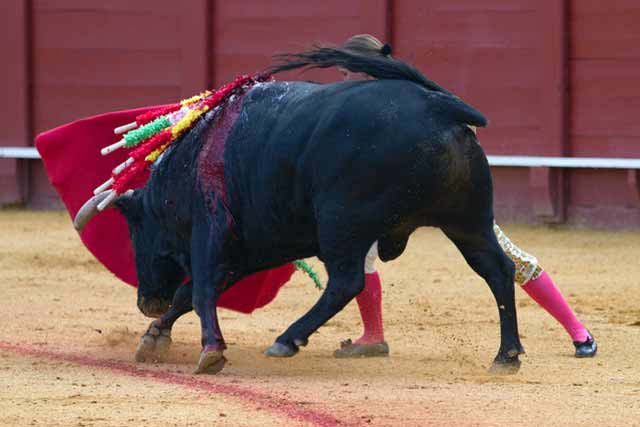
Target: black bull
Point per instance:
(314, 170)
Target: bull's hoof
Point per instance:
(210, 362)
(154, 345)
(281, 350)
(505, 366)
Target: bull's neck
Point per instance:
(171, 190)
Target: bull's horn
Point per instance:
(92, 207)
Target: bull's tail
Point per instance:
(460, 111)
(376, 67)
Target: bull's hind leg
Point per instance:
(154, 344)
(483, 253)
(346, 281)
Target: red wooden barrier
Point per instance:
(15, 101)
(604, 104)
(555, 77)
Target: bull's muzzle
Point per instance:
(153, 307)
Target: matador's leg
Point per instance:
(540, 287)
(527, 267)
(372, 342)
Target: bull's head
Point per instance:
(158, 270)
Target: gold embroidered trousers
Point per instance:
(527, 267)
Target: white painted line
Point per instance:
(19, 153)
(564, 162)
(509, 161)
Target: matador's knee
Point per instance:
(527, 267)
(370, 260)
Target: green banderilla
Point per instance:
(306, 268)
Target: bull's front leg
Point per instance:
(154, 344)
(208, 279)
(346, 281)
(205, 303)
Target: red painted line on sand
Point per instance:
(274, 404)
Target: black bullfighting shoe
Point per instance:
(349, 349)
(587, 348)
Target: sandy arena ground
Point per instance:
(69, 330)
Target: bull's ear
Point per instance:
(96, 204)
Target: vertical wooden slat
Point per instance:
(195, 30)
(391, 4)
(211, 39)
(14, 102)
(555, 77)
(374, 18)
(549, 196)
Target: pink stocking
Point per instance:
(370, 305)
(543, 291)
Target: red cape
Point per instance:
(72, 159)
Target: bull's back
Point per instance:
(367, 145)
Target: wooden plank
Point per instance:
(195, 66)
(375, 19)
(543, 187)
(472, 6)
(142, 29)
(510, 203)
(121, 56)
(286, 9)
(615, 78)
(605, 98)
(633, 183)
(493, 55)
(41, 194)
(611, 188)
(442, 23)
(489, 54)
(110, 6)
(614, 146)
(605, 29)
(14, 74)
(108, 68)
(605, 52)
(14, 103)
(549, 198)
(59, 105)
(93, 56)
(246, 34)
(553, 112)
